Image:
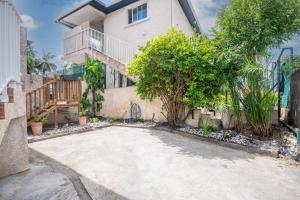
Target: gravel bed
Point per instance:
(136, 124)
(57, 132)
(285, 147)
(70, 129)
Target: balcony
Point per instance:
(78, 43)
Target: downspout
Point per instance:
(172, 13)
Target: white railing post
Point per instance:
(96, 40)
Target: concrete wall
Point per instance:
(117, 104)
(33, 81)
(13, 137)
(65, 116)
(23, 50)
(158, 21)
(13, 129)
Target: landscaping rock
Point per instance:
(286, 146)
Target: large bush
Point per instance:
(245, 30)
(178, 69)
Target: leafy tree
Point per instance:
(179, 70)
(245, 30)
(31, 58)
(45, 63)
(256, 25)
(94, 78)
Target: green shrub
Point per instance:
(94, 120)
(253, 94)
(259, 101)
(37, 118)
(206, 128)
(85, 106)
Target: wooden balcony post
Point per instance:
(55, 89)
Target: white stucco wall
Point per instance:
(158, 21)
(117, 104)
(10, 24)
(13, 111)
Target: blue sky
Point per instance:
(39, 16)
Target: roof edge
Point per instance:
(185, 5)
(190, 14)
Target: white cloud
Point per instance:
(294, 42)
(78, 3)
(29, 22)
(206, 13)
(59, 62)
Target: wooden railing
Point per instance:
(53, 93)
(93, 39)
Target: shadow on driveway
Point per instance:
(194, 147)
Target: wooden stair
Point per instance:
(54, 93)
(111, 62)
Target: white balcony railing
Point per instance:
(90, 38)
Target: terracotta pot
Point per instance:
(83, 121)
(37, 128)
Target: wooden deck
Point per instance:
(54, 93)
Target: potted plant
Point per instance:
(84, 109)
(83, 117)
(37, 124)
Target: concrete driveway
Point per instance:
(141, 164)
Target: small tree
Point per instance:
(31, 58)
(245, 30)
(45, 63)
(256, 25)
(94, 78)
(179, 70)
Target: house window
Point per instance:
(137, 14)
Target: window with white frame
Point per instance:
(137, 13)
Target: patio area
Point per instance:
(133, 163)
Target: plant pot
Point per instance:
(83, 121)
(37, 128)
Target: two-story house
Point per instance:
(112, 33)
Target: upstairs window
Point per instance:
(137, 14)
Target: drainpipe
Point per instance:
(172, 13)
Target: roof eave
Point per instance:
(94, 3)
(190, 14)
